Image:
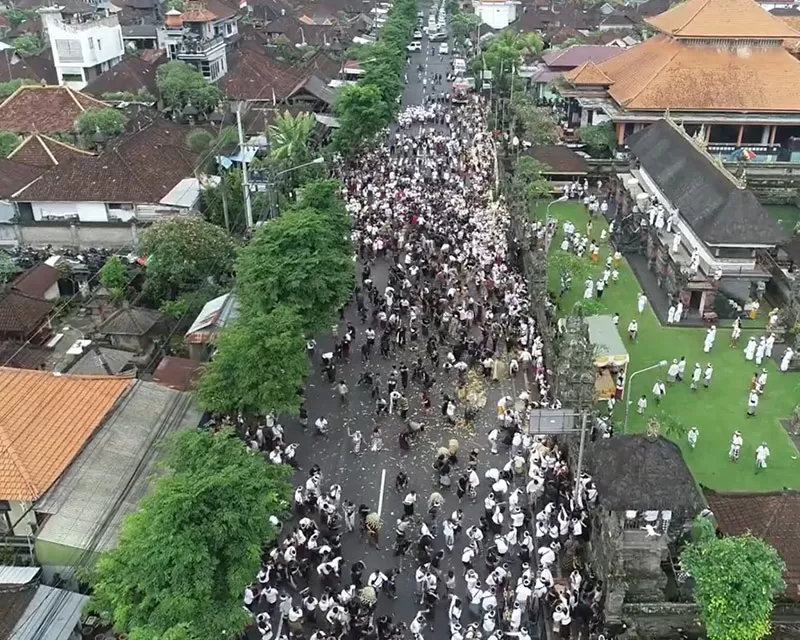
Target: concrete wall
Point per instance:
(23, 518)
(78, 236)
(86, 211)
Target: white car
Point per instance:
(418, 35)
(415, 46)
(444, 49)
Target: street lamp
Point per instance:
(626, 395)
(273, 205)
(319, 160)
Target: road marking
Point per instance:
(383, 486)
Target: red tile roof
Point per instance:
(15, 175)
(142, 167)
(35, 109)
(22, 315)
(773, 517)
(45, 152)
(37, 280)
(253, 75)
(130, 75)
(180, 374)
(36, 68)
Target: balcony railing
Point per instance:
(80, 27)
(200, 47)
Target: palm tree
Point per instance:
(290, 137)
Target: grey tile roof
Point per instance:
(717, 209)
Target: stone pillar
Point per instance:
(620, 133)
(585, 117)
(74, 235)
(766, 133)
(134, 236)
(772, 134)
(739, 135)
(708, 133)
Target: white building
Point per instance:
(498, 14)
(83, 45)
(200, 36)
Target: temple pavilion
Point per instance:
(721, 67)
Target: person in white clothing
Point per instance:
(762, 453)
(641, 303)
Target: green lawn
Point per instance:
(716, 412)
(786, 215)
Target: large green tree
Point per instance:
(736, 579)
(600, 139)
(108, 121)
(505, 54)
(463, 25)
(528, 185)
(532, 123)
(180, 84)
(260, 364)
(383, 69)
(185, 254)
(185, 556)
(362, 113)
(303, 260)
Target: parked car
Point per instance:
(417, 35)
(437, 36)
(444, 49)
(415, 46)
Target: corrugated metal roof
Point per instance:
(52, 614)
(214, 316)
(18, 575)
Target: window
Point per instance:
(71, 77)
(124, 206)
(99, 44)
(69, 50)
(91, 44)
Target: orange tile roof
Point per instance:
(721, 19)
(665, 73)
(44, 422)
(588, 74)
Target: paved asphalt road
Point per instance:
(369, 478)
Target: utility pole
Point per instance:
(579, 470)
(272, 185)
(223, 189)
(248, 207)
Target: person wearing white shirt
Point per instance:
(736, 446)
(466, 557)
(249, 597)
(762, 453)
(546, 556)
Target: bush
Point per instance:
(8, 142)
(109, 122)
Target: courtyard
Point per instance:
(718, 411)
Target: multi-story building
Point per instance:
(721, 67)
(498, 14)
(84, 45)
(200, 36)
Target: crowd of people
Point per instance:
(451, 305)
